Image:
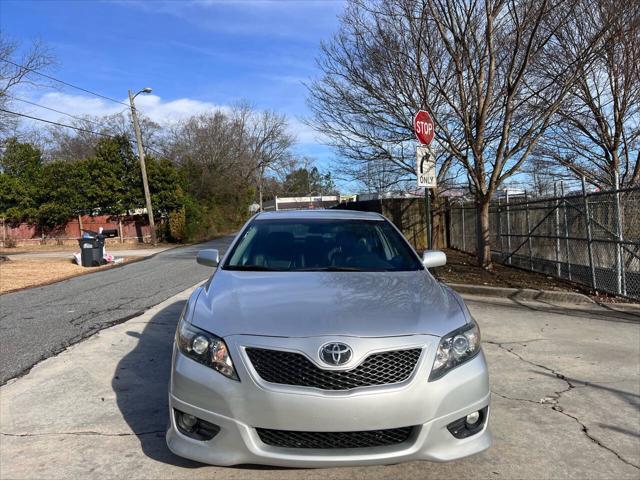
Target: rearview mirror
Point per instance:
(209, 257)
(434, 258)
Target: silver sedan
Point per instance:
(322, 340)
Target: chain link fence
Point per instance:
(589, 238)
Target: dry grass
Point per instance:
(16, 274)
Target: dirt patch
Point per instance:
(461, 268)
(19, 273)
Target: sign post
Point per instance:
(425, 163)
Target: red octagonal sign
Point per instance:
(423, 126)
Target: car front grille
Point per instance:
(289, 368)
(366, 439)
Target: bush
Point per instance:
(177, 225)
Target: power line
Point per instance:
(82, 119)
(79, 129)
(64, 113)
(55, 123)
(62, 81)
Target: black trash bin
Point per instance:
(91, 250)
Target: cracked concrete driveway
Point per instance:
(566, 403)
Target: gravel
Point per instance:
(37, 323)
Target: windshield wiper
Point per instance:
(261, 268)
(329, 269)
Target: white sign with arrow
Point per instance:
(425, 167)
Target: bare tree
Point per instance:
(373, 81)
(597, 130)
(233, 148)
(267, 142)
(67, 144)
(18, 69)
(489, 72)
(496, 64)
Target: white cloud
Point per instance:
(305, 135)
(152, 106)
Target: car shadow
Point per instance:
(141, 384)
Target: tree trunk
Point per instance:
(483, 247)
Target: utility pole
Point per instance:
(143, 167)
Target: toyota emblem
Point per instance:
(335, 353)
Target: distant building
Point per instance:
(301, 203)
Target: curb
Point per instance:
(522, 293)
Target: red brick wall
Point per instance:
(134, 229)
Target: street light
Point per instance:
(143, 167)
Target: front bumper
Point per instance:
(238, 408)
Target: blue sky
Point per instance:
(195, 55)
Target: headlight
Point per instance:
(205, 348)
(456, 348)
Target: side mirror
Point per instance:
(208, 257)
(434, 258)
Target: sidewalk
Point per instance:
(139, 252)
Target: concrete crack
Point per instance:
(585, 430)
(570, 385)
(515, 399)
(555, 399)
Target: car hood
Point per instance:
(307, 304)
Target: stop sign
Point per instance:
(423, 126)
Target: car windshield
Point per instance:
(295, 245)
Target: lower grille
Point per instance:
(289, 368)
(324, 440)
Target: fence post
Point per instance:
(508, 227)
(4, 232)
(464, 247)
(587, 219)
(620, 283)
(557, 209)
(529, 242)
(500, 229)
(566, 228)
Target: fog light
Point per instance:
(189, 421)
(473, 418)
(195, 427)
(470, 425)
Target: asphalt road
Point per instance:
(39, 322)
(565, 382)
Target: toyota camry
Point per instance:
(322, 340)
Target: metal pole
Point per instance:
(508, 227)
(557, 209)
(464, 244)
(500, 228)
(529, 241)
(620, 274)
(566, 228)
(143, 168)
(427, 213)
(261, 181)
(587, 218)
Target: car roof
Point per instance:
(319, 213)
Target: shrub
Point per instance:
(177, 225)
